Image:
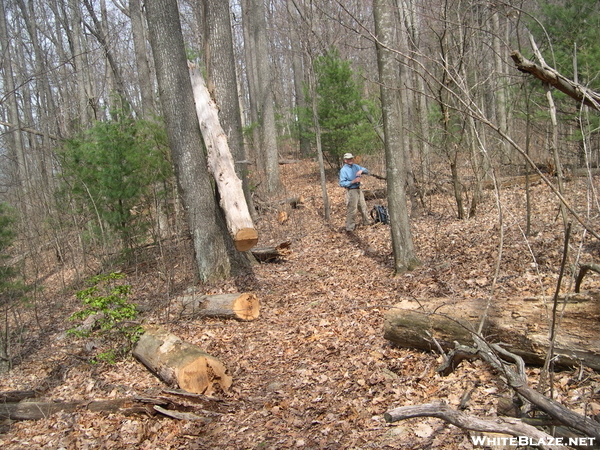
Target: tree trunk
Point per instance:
(180, 364)
(18, 171)
(219, 60)
(523, 325)
(236, 306)
(317, 127)
(264, 99)
(402, 243)
(176, 94)
(298, 73)
(138, 31)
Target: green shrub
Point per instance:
(114, 316)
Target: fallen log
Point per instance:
(180, 364)
(221, 164)
(243, 306)
(522, 325)
(374, 194)
(270, 254)
(42, 410)
(17, 396)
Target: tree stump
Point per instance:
(180, 364)
(235, 306)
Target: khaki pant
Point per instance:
(355, 200)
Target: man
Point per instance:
(355, 199)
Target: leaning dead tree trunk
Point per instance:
(221, 164)
(523, 325)
(230, 306)
(180, 364)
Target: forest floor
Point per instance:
(314, 370)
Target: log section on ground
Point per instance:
(180, 364)
(522, 325)
(222, 166)
(271, 254)
(41, 410)
(243, 306)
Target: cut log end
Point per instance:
(180, 364)
(246, 307)
(200, 375)
(245, 239)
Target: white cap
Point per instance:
(348, 156)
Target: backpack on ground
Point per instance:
(380, 214)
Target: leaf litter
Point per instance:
(314, 371)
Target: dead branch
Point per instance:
(506, 425)
(583, 270)
(514, 371)
(178, 414)
(552, 77)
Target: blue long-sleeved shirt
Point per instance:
(348, 173)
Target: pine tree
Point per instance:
(111, 170)
(344, 125)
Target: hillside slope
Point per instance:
(314, 371)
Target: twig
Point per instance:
(550, 355)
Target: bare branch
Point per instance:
(505, 425)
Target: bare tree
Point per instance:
(254, 16)
(204, 219)
(395, 154)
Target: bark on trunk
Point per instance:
(521, 324)
(211, 240)
(221, 164)
(395, 153)
(180, 364)
(235, 306)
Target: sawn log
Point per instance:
(238, 306)
(521, 325)
(180, 364)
